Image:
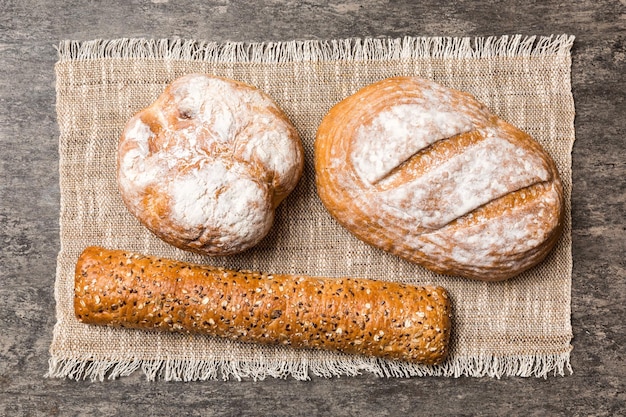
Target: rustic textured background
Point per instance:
(29, 206)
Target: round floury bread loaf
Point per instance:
(430, 174)
(205, 166)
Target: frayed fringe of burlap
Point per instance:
(199, 370)
(316, 50)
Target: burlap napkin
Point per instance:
(517, 327)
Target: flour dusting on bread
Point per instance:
(484, 172)
(207, 163)
(396, 134)
(430, 174)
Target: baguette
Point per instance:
(355, 316)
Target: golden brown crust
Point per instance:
(356, 316)
(429, 174)
(206, 164)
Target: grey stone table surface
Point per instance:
(29, 206)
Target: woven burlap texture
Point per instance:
(517, 327)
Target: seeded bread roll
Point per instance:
(357, 316)
(206, 164)
(430, 174)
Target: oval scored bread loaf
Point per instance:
(357, 316)
(430, 174)
(206, 164)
